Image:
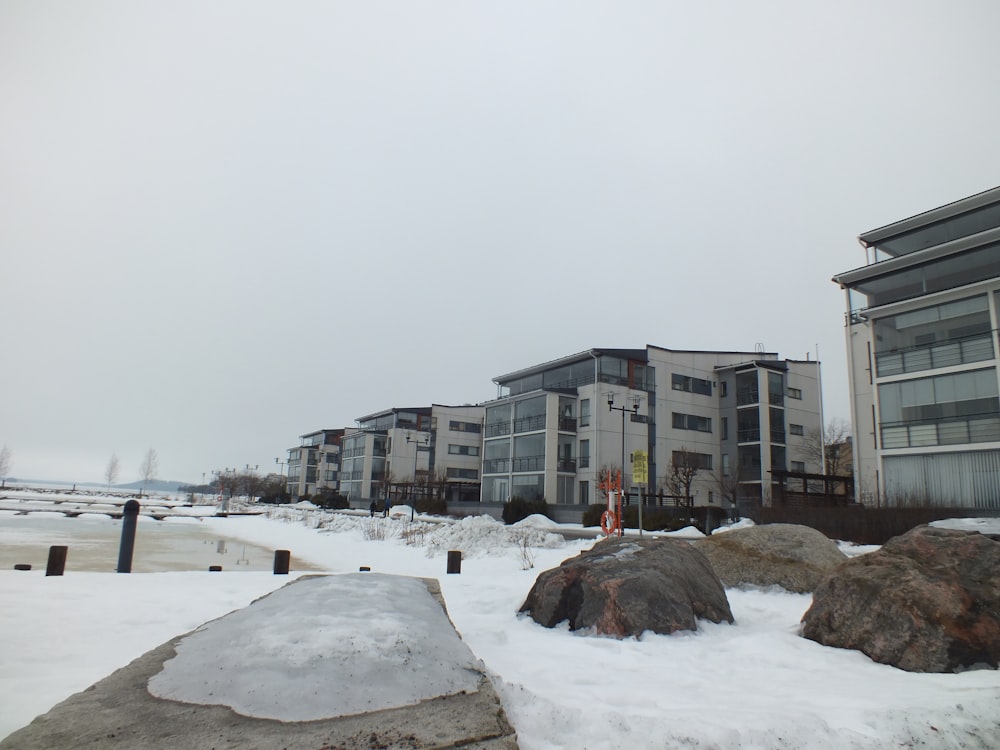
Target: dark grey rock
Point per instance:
(623, 587)
(928, 601)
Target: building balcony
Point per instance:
(567, 424)
(566, 465)
(530, 424)
(979, 428)
(778, 436)
(496, 466)
(945, 354)
(748, 435)
(493, 429)
(776, 399)
(746, 396)
(529, 463)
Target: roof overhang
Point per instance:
(855, 279)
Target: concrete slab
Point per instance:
(459, 710)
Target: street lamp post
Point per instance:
(417, 441)
(634, 409)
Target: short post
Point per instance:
(454, 561)
(282, 557)
(214, 568)
(364, 569)
(57, 561)
(130, 517)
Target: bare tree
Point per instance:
(683, 469)
(149, 467)
(830, 447)
(729, 485)
(112, 469)
(5, 455)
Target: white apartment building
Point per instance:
(555, 426)
(314, 464)
(395, 447)
(921, 328)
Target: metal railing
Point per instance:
(529, 463)
(530, 424)
(567, 424)
(496, 428)
(747, 396)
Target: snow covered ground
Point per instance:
(754, 684)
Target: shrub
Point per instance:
(275, 499)
(435, 506)
(592, 515)
(331, 500)
(517, 508)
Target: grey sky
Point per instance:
(225, 224)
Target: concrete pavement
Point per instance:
(461, 709)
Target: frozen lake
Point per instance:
(172, 544)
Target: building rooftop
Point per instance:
(964, 217)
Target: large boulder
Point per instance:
(794, 557)
(928, 601)
(623, 587)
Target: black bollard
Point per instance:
(364, 569)
(281, 560)
(214, 568)
(57, 561)
(454, 561)
(130, 517)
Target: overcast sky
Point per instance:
(226, 224)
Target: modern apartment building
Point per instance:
(921, 328)
(391, 450)
(555, 427)
(314, 464)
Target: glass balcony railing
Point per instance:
(493, 429)
(746, 396)
(944, 354)
(980, 428)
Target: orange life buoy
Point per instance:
(609, 522)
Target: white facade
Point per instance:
(314, 465)
(393, 450)
(923, 358)
(558, 426)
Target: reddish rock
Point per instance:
(623, 587)
(928, 601)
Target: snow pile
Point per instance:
(479, 536)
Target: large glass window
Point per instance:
(584, 412)
(529, 414)
(944, 335)
(584, 454)
(943, 410)
(691, 422)
(564, 490)
(690, 384)
(775, 388)
(496, 456)
(497, 420)
(529, 453)
(496, 489)
(528, 486)
(945, 273)
(569, 376)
